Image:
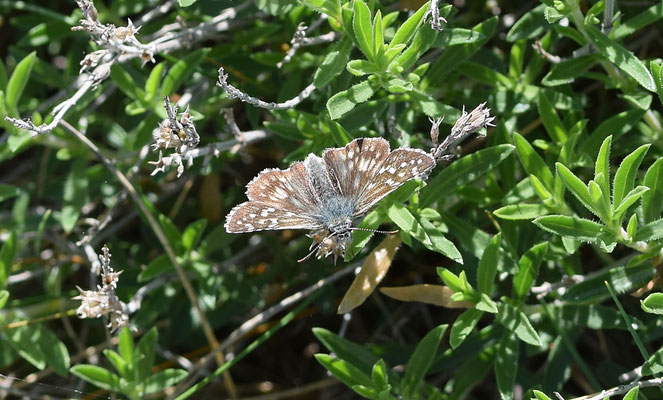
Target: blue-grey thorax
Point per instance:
(335, 213)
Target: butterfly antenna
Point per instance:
(375, 231)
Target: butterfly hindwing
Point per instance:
(254, 216)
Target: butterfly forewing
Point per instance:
(284, 189)
(254, 216)
(354, 165)
(400, 166)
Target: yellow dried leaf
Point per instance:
(374, 269)
(430, 294)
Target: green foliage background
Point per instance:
(545, 226)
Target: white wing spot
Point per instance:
(419, 161)
(351, 154)
(392, 170)
(252, 215)
(403, 164)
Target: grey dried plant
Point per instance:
(104, 300)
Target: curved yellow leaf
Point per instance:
(431, 294)
(374, 269)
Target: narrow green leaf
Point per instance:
(75, 194)
(651, 231)
(622, 58)
(7, 255)
(421, 360)
(623, 280)
(152, 83)
(18, 80)
(8, 191)
(361, 24)
(654, 365)
(632, 394)
(517, 322)
(574, 227)
(97, 376)
(193, 233)
(24, 340)
(439, 243)
(344, 101)
(506, 365)
(473, 239)
(55, 351)
(344, 371)
(408, 28)
(528, 269)
(532, 162)
(630, 199)
(602, 166)
(423, 40)
(4, 296)
(540, 395)
(551, 121)
(653, 304)
(577, 188)
(170, 230)
(631, 25)
(449, 279)
(334, 63)
(355, 354)
(521, 211)
(163, 380)
(143, 358)
(486, 304)
(652, 201)
(464, 171)
(594, 316)
(181, 70)
(379, 375)
(463, 326)
(625, 175)
(126, 82)
(531, 25)
(568, 70)
(121, 366)
(616, 126)
(488, 265)
(657, 73)
(378, 38)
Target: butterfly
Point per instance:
(326, 193)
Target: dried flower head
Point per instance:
(104, 301)
(125, 33)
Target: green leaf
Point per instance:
(625, 175)
(486, 304)
(577, 188)
(185, 3)
(344, 371)
(182, 70)
(409, 28)
(631, 25)
(649, 232)
(506, 365)
(630, 199)
(565, 225)
(532, 162)
(17, 82)
(521, 211)
(55, 351)
(463, 326)
(653, 304)
(379, 375)
(423, 40)
(126, 82)
(346, 100)
(528, 269)
(623, 280)
(517, 322)
(121, 366)
(8, 253)
(654, 365)
(330, 7)
(622, 58)
(361, 24)
(355, 354)
(616, 126)
(378, 38)
(4, 296)
(652, 201)
(449, 279)
(464, 171)
(163, 379)
(334, 63)
(97, 376)
(531, 25)
(193, 233)
(602, 166)
(421, 360)
(657, 73)
(488, 265)
(551, 121)
(75, 194)
(143, 358)
(8, 191)
(152, 83)
(632, 394)
(126, 345)
(439, 243)
(568, 70)
(156, 267)
(594, 316)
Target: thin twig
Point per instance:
(233, 93)
(156, 228)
